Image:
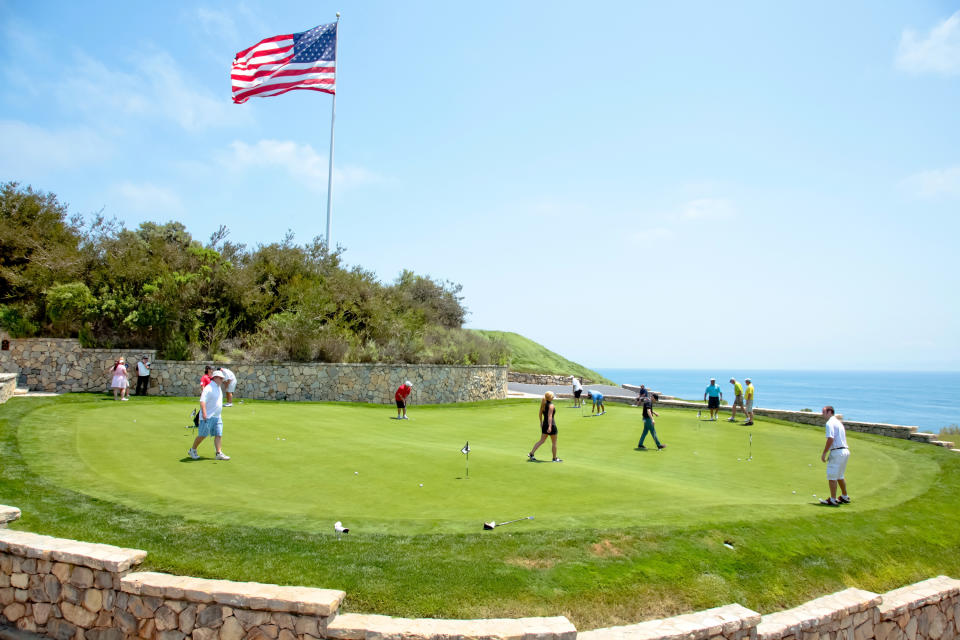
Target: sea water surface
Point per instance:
(927, 399)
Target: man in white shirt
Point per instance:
(577, 390)
(835, 454)
(230, 384)
(143, 376)
(211, 404)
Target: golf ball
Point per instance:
(356, 473)
(421, 484)
(794, 491)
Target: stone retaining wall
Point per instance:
(62, 365)
(8, 384)
(541, 378)
(815, 419)
(71, 590)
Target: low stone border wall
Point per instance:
(63, 366)
(8, 384)
(542, 378)
(8, 514)
(71, 590)
(815, 419)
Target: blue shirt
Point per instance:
(597, 396)
(713, 391)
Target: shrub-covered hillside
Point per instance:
(156, 286)
(531, 357)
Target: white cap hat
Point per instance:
(407, 384)
(216, 374)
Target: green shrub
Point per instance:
(68, 305)
(15, 320)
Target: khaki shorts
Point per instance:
(837, 464)
(749, 407)
(738, 402)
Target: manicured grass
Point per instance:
(619, 535)
(531, 357)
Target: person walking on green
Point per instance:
(712, 396)
(749, 408)
(648, 423)
(737, 400)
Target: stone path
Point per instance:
(522, 390)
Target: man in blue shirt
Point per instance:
(712, 396)
(597, 398)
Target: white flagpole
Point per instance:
(333, 117)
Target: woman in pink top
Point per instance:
(119, 382)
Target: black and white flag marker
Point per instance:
(466, 451)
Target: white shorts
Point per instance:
(749, 407)
(232, 385)
(837, 463)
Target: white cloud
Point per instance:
(146, 199)
(217, 24)
(707, 209)
(300, 161)
(156, 89)
(935, 182)
(936, 52)
(27, 150)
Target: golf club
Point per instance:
(751, 447)
(492, 525)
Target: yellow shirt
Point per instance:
(737, 388)
(750, 391)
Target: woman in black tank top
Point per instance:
(548, 426)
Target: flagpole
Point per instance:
(333, 117)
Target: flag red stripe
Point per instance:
(277, 89)
(281, 72)
(264, 41)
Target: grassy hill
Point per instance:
(528, 356)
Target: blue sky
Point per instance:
(740, 185)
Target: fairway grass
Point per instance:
(619, 535)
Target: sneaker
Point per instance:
(556, 460)
(730, 420)
(830, 502)
(124, 399)
(193, 454)
(641, 447)
(844, 499)
(602, 412)
(531, 458)
(222, 456)
(748, 423)
(661, 446)
(404, 418)
(228, 404)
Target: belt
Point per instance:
(837, 448)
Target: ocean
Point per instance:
(927, 399)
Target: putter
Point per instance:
(751, 447)
(492, 525)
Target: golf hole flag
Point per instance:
(279, 64)
(466, 448)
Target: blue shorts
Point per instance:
(597, 398)
(210, 427)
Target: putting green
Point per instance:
(302, 466)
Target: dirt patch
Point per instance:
(532, 563)
(606, 549)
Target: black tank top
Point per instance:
(546, 415)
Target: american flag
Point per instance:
(279, 64)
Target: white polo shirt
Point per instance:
(834, 429)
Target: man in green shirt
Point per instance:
(737, 400)
(749, 408)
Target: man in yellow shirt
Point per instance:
(737, 400)
(749, 408)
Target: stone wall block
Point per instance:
(60, 629)
(211, 616)
(175, 605)
(187, 618)
(78, 615)
(146, 629)
(104, 634)
(93, 600)
(41, 612)
(232, 629)
(20, 580)
(52, 588)
(14, 611)
(69, 593)
(166, 619)
(28, 565)
(21, 595)
(170, 634)
(27, 624)
(104, 619)
(249, 619)
(4, 580)
(103, 580)
(62, 571)
(126, 621)
(139, 609)
(287, 634)
(306, 625)
(202, 633)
